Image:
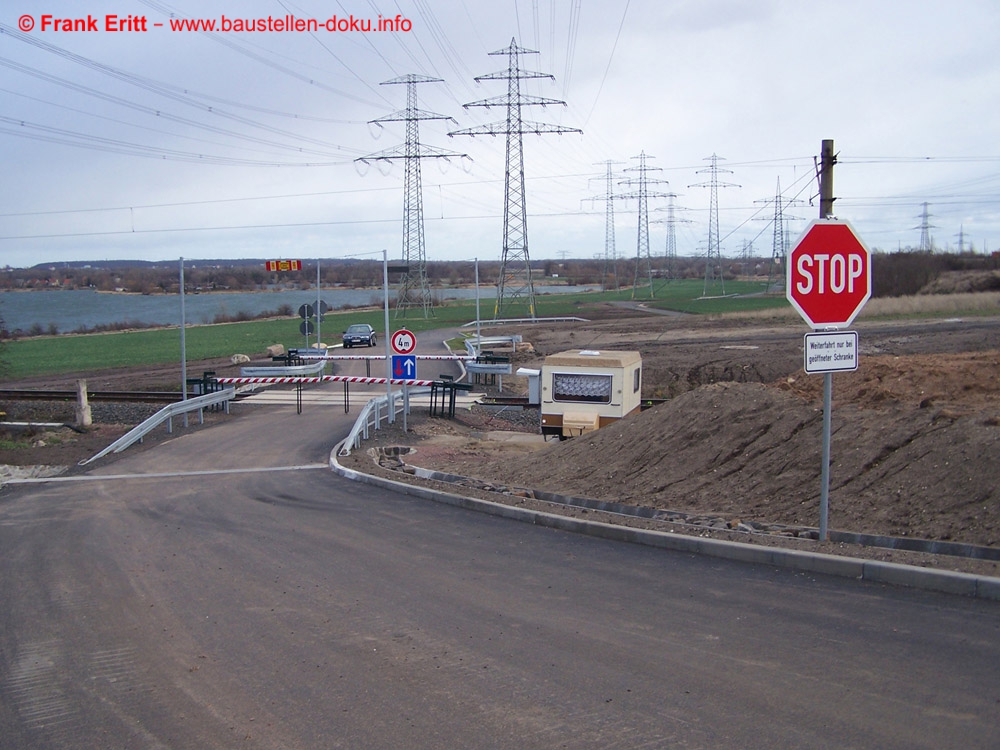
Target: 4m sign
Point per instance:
(829, 274)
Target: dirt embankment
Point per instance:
(916, 430)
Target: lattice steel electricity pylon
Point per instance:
(515, 263)
(779, 237)
(413, 289)
(670, 249)
(714, 259)
(926, 241)
(643, 266)
(609, 276)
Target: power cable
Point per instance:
(115, 120)
(147, 84)
(263, 60)
(36, 131)
(607, 68)
(158, 113)
(233, 227)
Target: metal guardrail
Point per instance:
(24, 394)
(474, 346)
(293, 371)
(372, 415)
(505, 321)
(166, 414)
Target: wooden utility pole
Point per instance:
(827, 159)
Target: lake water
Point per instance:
(73, 309)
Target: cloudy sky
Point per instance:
(158, 144)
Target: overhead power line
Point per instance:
(163, 115)
(156, 87)
(50, 134)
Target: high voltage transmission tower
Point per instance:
(515, 263)
(961, 239)
(779, 253)
(713, 260)
(414, 290)
(670, 251)
(926, 241)
(609, 277)
(610, 252)
(779, 236)
(746, 255)
(643, 265)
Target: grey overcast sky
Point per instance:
(152, 143)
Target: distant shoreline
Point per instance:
(285, 290)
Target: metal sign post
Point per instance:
(306, 327)
(828, 282)
(388, 354)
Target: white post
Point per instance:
(478, 338)
(318, 311)
(388, 354)
(184, 388)
(84, 417)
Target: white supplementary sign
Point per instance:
(831, 352)
(403, 341)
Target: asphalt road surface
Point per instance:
(276, 605)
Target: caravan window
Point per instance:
(594, 389)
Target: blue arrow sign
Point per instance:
(404, 366)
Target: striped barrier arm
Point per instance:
(323, 379)
(381, 357)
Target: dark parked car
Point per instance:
(358, 334)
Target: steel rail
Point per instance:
(25, 394)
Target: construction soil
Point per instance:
(737, 437)
(738, 441)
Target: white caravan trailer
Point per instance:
(585, 390)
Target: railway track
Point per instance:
(506, 400)
(24, 394)
(523, 401)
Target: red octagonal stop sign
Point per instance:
(829, 274)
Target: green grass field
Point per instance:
(52, 355)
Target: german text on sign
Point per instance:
(831, 352)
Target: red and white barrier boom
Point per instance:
(300, 380)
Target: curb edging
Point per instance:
(874, 571)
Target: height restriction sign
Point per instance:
(403, 341)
